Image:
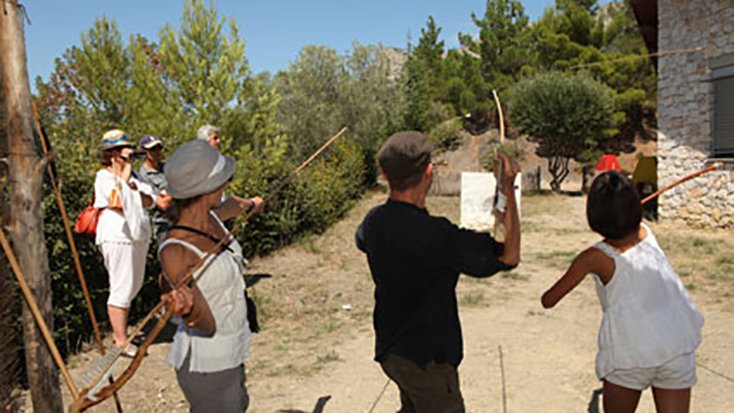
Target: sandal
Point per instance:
(130, 351)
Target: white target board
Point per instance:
(477, 198)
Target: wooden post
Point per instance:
(26, 223)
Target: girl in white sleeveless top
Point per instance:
(651, 328)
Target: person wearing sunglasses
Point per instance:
(151, 171)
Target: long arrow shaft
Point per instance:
(680, 181)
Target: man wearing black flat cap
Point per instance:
(415, 260)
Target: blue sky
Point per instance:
(274, 31)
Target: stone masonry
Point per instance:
(685, 111)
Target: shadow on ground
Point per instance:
(319, 408)
(252, 279)
(594, 402)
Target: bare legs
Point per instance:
(118, 319)
(618, 399)
(672, 401)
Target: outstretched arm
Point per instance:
(591, 260)
(234, 206)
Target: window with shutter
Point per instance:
(723, 118)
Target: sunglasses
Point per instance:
(117, 148)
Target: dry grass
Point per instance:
(320, 290)
(703, 259)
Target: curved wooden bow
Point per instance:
(499, 227)
(84, 401)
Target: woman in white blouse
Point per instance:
(211, 344)
(123, 230)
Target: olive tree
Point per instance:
(568, 115)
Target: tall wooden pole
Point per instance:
(9, 360)
(26, 224)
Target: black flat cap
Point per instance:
(404, 155)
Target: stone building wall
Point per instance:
(685, 110)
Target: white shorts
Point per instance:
(125, 263)
(679, 373)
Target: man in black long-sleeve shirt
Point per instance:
(415, 260)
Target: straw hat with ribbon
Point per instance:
(115, 139)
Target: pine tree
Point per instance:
(204, 69)
(503, 41)
(424, 81)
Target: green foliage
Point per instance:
(565, 114)
(319, 196)
(323, 91)
(430, 51)
(310, 90)
(503, 35)
(466, 87)
(516, 149)
(203, 69)
(576, 33)
(424, 80)
(445, 136)
(371, 102)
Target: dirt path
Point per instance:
(312, 348)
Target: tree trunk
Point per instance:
(558, 168)
(9, 372)
(587, 175)
(26, 224)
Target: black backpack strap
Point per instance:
(203, 234)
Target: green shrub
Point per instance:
(315, 199)
(517, 149)
(445, 135)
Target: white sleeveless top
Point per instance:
(221, 282)
(649, 318)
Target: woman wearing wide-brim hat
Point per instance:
(123, 230)
(212, 342)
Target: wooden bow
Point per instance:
(84, 401)
(499, 227)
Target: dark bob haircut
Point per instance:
(613, 208)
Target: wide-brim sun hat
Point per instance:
(115, 138)
(196, 168)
